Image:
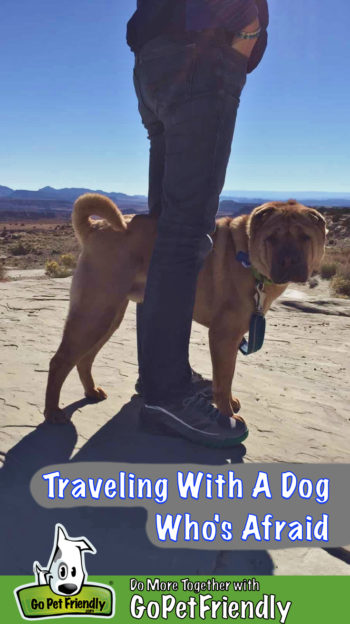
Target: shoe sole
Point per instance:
(176, 428)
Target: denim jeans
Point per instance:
(188, 91)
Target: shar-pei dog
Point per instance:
(253, 255)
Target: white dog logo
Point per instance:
(65, 572)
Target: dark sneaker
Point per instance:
(200, 384)
(196, 419)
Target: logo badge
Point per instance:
(61, 589)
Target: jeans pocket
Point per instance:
(219, 70)
(208, 71)
(167, 79)
(235, 66)
(236, 57)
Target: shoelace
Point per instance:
(201, 401)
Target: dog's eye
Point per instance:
(62, 571)
(74, 571)
(304, 237)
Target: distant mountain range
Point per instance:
(50, 202)
(310, 198)
(65, 194)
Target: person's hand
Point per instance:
(245, 46)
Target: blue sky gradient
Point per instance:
(68, 113)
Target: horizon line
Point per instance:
(231, 191)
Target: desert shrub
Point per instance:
(341, 286)
(54, 269)
(340, 283)
(336, 267)
(68, 260)
(63, 268)
(328, 270)
(20, 249)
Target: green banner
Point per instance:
(36, 602)
(295, 600)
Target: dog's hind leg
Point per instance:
(85, 328)
(84, 366)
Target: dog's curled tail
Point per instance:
(99, 205)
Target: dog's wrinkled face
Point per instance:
(286, 241)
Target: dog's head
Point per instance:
(286, 241)
(66, 572)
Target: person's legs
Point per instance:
(155, 188)
(197, 103)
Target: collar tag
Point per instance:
(260, 296)
(257, 322)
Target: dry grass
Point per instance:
(35, 242)
(340, 283)
(20, 249)
(336, 267)
(328, 270)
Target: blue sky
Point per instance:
(68, 113)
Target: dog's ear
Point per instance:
(260, 215)
(81, 543)
(41, 575)
(61, 535)
(85, 545)
(317, 219)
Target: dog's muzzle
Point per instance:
(289, 265)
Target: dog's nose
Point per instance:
(288, 261)
(67, 588)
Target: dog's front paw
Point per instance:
(227, 404)
(235, 404)
(238, 418)
(97, 394)
(56, 416)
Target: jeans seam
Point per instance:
(215, 151)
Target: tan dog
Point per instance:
(285, 242)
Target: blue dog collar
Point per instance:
(243, 258)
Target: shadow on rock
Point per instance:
(24, 525)
(121, 439)
(118, 534)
